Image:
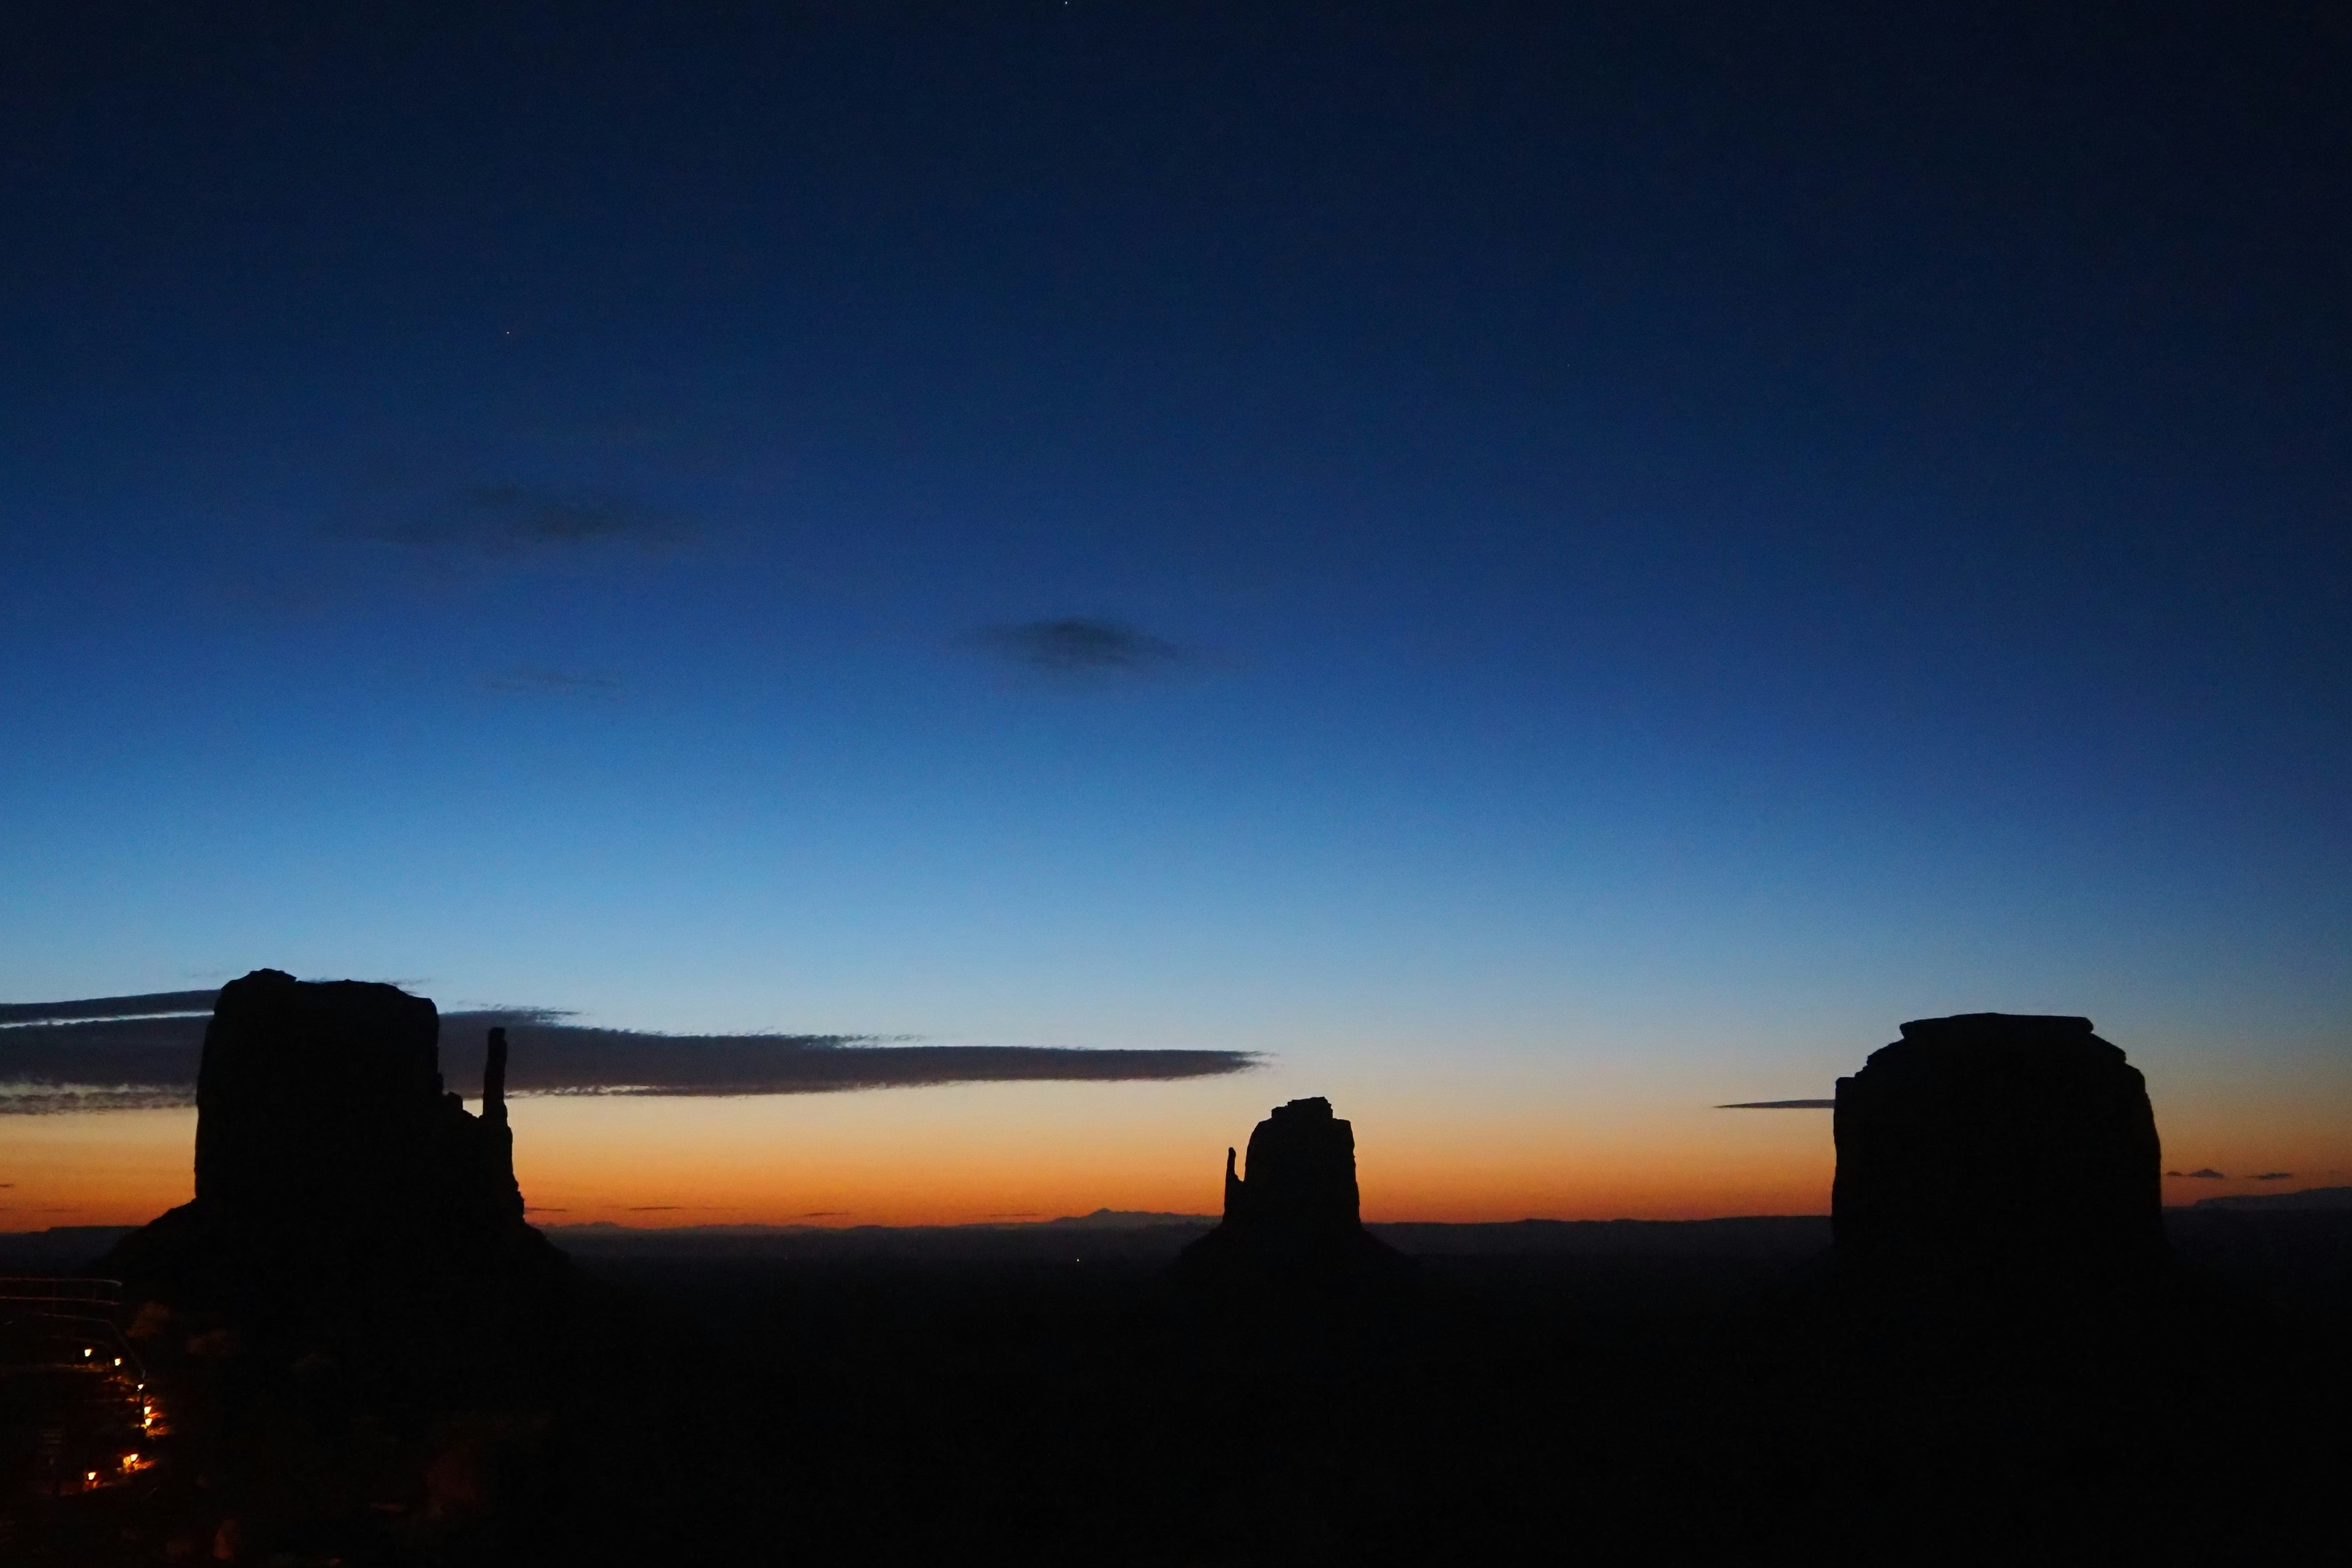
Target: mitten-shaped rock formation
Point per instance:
(1293, 1215)
(322, 1103)
(1302, 1173)
(354, 1275)
(1991, 1142)
(327, 1149)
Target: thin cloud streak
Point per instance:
(146, 1004)
(112, 1063)
(1075, 647)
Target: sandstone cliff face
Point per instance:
(1990, 1141)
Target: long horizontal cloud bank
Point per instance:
(152, 1003)
(87, 1056)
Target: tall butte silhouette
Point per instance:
(1293, 1217)
(1991, 1144)
(331, 1162)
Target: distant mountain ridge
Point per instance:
(2308, 1198)
(67, 1246)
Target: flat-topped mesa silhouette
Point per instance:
(1295, 1213)
(1991, 1142)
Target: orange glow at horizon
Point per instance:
(979, 1153)
(112, 1167)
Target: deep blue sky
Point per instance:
(1643, 528)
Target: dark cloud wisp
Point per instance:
(514, 519)
(115, 1063)
(1076, 648)
(2207, 1175)
(564, 1059)
(146, 1004)
(1780, 1105)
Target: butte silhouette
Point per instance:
(1997, 1209)
(1991, 1142)
(1292, 1220)
(338, 1182)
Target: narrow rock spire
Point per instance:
(494, 1080)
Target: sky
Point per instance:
(1535, 569)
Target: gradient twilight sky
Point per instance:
(1611, 555)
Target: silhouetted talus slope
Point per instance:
(351, 1316)
(2005, 1362)
(1997, 1142)
(1292, 1219)
(1998, 1220)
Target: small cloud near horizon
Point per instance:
(2207, 1175)
(1780, 1105)
(2274, 1176)
(1076, 647)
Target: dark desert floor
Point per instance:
(1608, 1393)
(1618, 1393)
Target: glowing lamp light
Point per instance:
(84, 1352)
